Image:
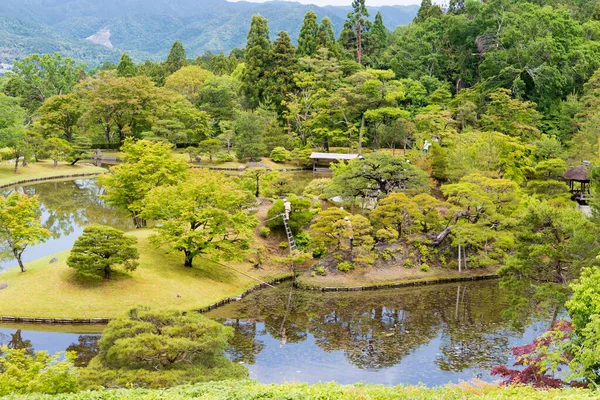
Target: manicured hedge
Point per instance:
(249, 390)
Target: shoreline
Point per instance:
(398, 285)
(51, 178)
(8, 319)
(103, 321)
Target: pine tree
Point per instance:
(176, 58)
(347, 39)
(281, 76)
(258, 59)
(360, 25)
(326, 37)
(378, 40)
(428, 10)
(126, 67)
(307, 41)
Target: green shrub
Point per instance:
(424, 267)
(345, 266)
(280, 154)
(408, 264)
(265, 232)
(386, 235)
(198, 342)
(387, 254)
(319, 251)
(24, 372)
(302, 240)
(320, 270)
(224, 157)
(284, 245)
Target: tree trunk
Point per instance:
(17, 164)
(19, 260)
(107, 133)
(55, 163)
(189, 258)
(107, 273)
(360, 134)
(139, 222)
(359, 43)
(257, 186)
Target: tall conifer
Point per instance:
(176, 58)
(326, 37)
(126, 67)
(307, 41)
(258, 57)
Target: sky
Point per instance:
(346, 2)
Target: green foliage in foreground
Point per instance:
(158, 349)
(23, 372)
(249, 390)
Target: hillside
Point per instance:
(147, 28)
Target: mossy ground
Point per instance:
(161, 282)
(388, 275)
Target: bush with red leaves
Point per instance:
(541, 359)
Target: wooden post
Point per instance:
(459, 260)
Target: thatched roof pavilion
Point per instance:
(581, 175)
(578, 174)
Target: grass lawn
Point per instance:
(161, 281)
(42, 169)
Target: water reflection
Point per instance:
(429, 334)
(85, 345)
(85, 349)
(67, 207)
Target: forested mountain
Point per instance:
(147, 28)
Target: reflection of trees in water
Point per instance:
(244, 346)
(373, 336)
(86, 348)
(69, 203)
(475, 334)
(16, 341)
(379, 329)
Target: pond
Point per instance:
(70, 205)
(67, 207)
(432, 334)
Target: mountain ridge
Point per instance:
(147, 28)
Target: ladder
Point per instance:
(288, 232)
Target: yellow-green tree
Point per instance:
(20, 225)
(207, 214)
(57, 149)
(396, 211)
(59, 116)
(189, 81)
(146, 165)
(336, 227)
